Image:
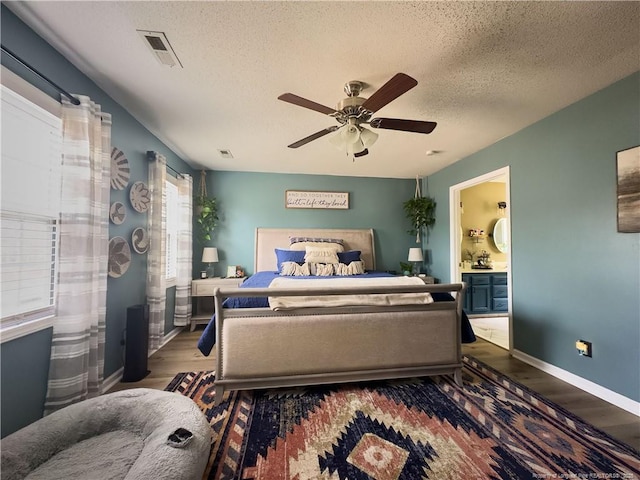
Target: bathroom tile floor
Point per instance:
(492, 329)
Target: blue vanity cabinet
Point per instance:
(486, 293)
(499, 293)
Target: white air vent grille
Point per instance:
(159, 44)
(225, 153)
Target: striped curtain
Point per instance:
(156, 258)
(76, 369)
(184, 254)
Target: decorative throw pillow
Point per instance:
(320, 255)
(300, 243)
(354, 268)
(294, 269)
(282, 256)
(338, 247)
(321, 269)
(293, 240)
(349, 256)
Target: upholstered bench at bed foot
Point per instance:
(139, 434)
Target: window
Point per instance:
(29, 212)
(171, 208)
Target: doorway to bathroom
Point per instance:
(481, 252)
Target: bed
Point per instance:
(280, 331)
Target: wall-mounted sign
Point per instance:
(313, 199)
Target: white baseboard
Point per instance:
(116, 377)
(588, 386)
(167, 338)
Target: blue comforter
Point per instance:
(264, 279)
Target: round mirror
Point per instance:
(501, 235)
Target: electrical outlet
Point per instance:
(584, 348)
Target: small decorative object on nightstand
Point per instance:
(210, 256)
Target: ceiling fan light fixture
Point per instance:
(368, 137)
(356, 147)
(337, 141)
(350, 132)
(353, 111)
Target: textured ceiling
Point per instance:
(485, 70)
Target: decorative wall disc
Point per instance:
(119, 257)
(119, 170)
(139, 197)
(140, 240)
(117, 213)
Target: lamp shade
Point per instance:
(415, 255)
(350, 134)
(368, 137)
(209, 255)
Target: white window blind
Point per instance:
(29, 209)
(171, 208)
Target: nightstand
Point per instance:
(427, 280)
(202, 291)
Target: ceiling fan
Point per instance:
(354, 111)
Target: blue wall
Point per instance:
(574, 276)
(250, 200)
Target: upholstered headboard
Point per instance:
(268, 239)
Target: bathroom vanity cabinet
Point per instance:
(486, 293)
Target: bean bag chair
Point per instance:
(140, 434)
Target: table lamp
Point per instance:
(415, 256)
(210, 256)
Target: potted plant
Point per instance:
(406, 268)
(421, 211)
(206, 210)
(206, 215)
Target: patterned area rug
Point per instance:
(493, 428)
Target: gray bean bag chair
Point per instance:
(123, 435)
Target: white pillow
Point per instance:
(303, 245)
(321, 269)
(321, 254)
(294, 269)
(353, 268)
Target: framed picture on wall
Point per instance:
(628, 177)
(315, 199)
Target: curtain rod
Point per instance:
(71, 98)
(175, 171)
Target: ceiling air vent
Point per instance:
(225, 153)
(161, 48)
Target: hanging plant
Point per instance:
(420, 211)
(206, 210)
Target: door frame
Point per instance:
(455, 234)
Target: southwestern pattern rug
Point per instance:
(420, 428)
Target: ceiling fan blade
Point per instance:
(362, 153)
(303, 102)
(312, 137)
(400, 83)
(416, 126)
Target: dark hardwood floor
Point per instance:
(181, 355)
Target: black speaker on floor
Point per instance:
(136, 344)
